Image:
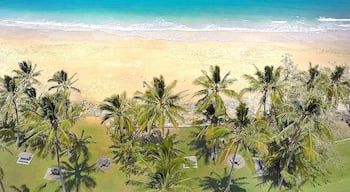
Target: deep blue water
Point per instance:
(132, 16)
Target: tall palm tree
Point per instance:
(339, 86)
(316, 81)
(164, 163)
(206, 131)
(63, 82)
(312, 77)
(211, 103)
(119, 111)
(159, 105)
(269, 84)
(51, 132)
(242, 136)
(27, 74)
(10, 92)
(29, 100)
(26, 77)
(304, 130)
(64, 86)
(49, 111)
(214, 88)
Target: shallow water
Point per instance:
(144, 17)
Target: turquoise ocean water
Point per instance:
(141, 17)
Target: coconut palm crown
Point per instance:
(119, 111)
(159, 105)
(63, 81)
(268, 83)
(214, 88)
(27, 74)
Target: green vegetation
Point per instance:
(209, 175)
(158, 105)
(289, 147)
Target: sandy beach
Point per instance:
(107, 64)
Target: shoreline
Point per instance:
(107, 64)
(223, 36)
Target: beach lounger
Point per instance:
(24, 158)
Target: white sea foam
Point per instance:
(162, 26)
(345, 25)
(279, 22)
(70, 26)
(329, 19)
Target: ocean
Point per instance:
(165, 18)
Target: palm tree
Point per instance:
(159, 105)
(339, 86)
(243, 136)
(211, 103)
(214, 88)
(64, 86)
(312, 77)
(315, 80)
(9, 91)
(207, 130)
(29, 100)
(304, 130)
(27, 74)
(240, 123)
(52, 131)
(12, 93)
(50, 111)
(164, 163)
(119, 111)
(268, 83)
(63, 82)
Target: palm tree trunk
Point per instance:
(264, 102)
(2, 186)
(228, 187)
(59, 162)
(17, 124)
(290, 156)
(214, 151)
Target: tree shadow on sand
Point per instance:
(217, 183)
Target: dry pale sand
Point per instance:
(107, 64)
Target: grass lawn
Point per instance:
(340, 175)
(208, 177)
